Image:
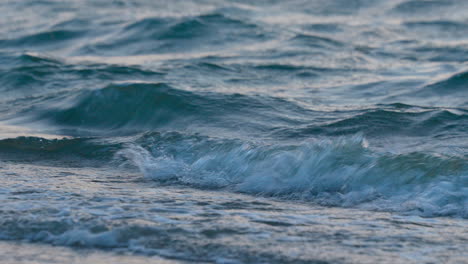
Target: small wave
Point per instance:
(330, 8)
(438, 25)
(386, 121)
(33, 74)
(45, 40)
(456, 83)
(442, 53)
(90, 234)
(448, 92)
(325, 28)
(26, 72)
(344, 172)
(158, 236)
(119, 105)
(382, 122)
(37, 149)
(156, 35)
(452, 89)
(315, 41)
(30, 58)
(294, 68)
(148, 106)
(421, 6)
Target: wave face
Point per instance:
(341, 105)
(344, 172)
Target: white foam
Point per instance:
(343, 172)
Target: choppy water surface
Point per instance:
(231, 132)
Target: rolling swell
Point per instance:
(147, 106)
(139, 107)
(395, 122)
(120, 105)
(158, 35)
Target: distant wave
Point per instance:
(158, 35)
(46, 39)
(394, 121)
(421, 6)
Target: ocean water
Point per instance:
(320, 131)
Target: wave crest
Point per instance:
(344, 172)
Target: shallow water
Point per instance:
(232, 132)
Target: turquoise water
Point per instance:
(234, 132)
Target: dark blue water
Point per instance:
(234, 132)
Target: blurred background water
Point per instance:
(234, 132)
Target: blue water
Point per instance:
(234, 132)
